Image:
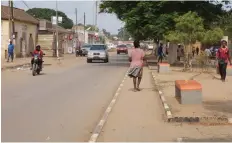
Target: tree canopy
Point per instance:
(123, 34)
(151, 19)
(46, 13)
(92, 27)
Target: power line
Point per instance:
(25, 4)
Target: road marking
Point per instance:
(116, 94)
(166, 106)
(108, 109)
(93, 138)
(113, 101)
(169, 114)
(101, 123)
(163, 99)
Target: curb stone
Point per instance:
(99, 127)
(203, 120)
(164, 103)
(15, 66)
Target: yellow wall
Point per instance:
(4, 37)
(20, 28)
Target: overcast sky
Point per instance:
(106, 21)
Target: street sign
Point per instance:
(53, 20)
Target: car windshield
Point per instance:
(98, 47)
(121, 46)
(86, 46)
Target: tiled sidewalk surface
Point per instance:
(217, 96)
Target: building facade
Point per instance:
(47, 38)
(26, 30)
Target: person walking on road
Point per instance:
(160, 53)
(223, 58)
(136, 58)
(10, 52)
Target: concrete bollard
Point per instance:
(163, 67)
(188, 91)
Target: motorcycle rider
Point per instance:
(39, 52)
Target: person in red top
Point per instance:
(40, 54)
(223, 57)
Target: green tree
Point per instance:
(189, 28)
(92, 28)
(123, 34)
(46, 13)
(226, 23)
(151, 19)
(107, 34)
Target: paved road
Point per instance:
(60, 105)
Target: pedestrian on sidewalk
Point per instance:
(10, 52)
(223, 58)
(179, 52)
(193, 51)
(136, 58)
(160, 53)
(197, 50)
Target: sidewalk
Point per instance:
(217, 99)
(18, 62)
(138, 117)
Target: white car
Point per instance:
(110, 45)
(98, 52)
(150, 47)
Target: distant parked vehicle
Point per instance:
(85, 48)
(110, 45)
(150, 47)
(98, 52)
(122, 49)
(129, 45)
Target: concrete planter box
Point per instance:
(163, 67)
(188, 91)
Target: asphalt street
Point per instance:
(60, 105)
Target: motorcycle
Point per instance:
(36, 68)
(79, 53)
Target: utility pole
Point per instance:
(12, 18)
(57, 36)
(84, 27)
(76, 21)
(96, 20)
(76, 32)
(96, 15)
(10, 22)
